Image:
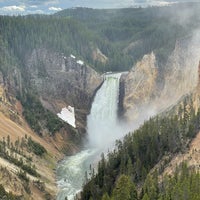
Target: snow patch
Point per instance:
(68, 115)
(80, 62)
(72, 56)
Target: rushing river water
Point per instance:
(103, 129)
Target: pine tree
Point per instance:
(106, 197)
(124, 189)
(145, 197)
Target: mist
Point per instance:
(104, 126)
(180, 71)
(181, 78)
(102, 123)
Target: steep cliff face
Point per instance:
(15, 133)
(181, 75)
(144, 90)
(99, 56)
(59, 81)
(199, 74)
(62, 81)
(10, 86)
(140, 85)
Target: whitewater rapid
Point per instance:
(103, 129)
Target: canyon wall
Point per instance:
(61, 81)
(144, 90)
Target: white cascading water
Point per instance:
(103, 129)
(102, 123)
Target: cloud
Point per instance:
(40, 2)
(10, 7)
(35, 12)
(155, 2)
(55, 9)
(51, 2)
(13, 8)
(33, 6)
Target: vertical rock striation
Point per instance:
(62, 81)
(140, 86)
(144, 90)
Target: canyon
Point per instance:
(52, 69)
(154, 88)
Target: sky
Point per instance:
(22, 7)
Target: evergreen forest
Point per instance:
(123, 36)
(126, 172)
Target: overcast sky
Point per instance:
(13, 7)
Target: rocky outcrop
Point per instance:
(140, 85)
(62, 81)
(59, 81)
(181, 75)
(99, 56)
(199, 75)
(10, 87)
(146, 92)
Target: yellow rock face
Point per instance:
(150, 90)
(140, 84)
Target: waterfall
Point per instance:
(102, 123)
(103, 129)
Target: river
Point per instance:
(103, 128)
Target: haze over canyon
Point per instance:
(99, 104)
